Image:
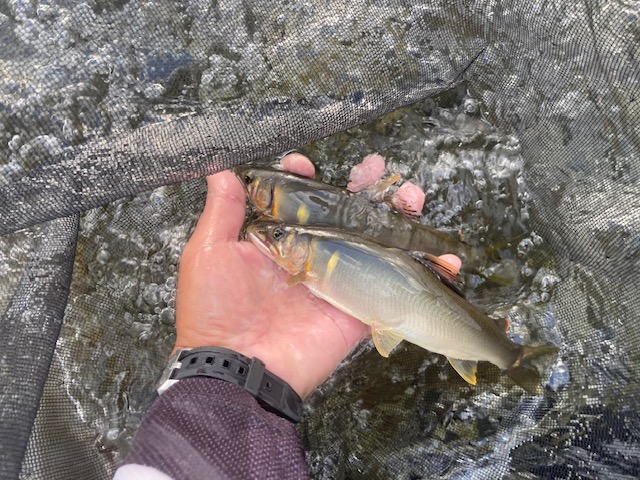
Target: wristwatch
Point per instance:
(273, 393)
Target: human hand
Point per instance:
(231, 295)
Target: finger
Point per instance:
(366, 173)
(452, 260)
(298, 164)
(223, 212)
(409, 199)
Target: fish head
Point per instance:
(259, 184)
(282, 243)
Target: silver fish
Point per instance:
(291, 198)
(389, 290)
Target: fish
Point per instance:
(290, 198)
(390, 290)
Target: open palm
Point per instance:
(231, 295)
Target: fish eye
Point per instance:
(248, 179)
(278, 233)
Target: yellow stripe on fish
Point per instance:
(274, 202)
(302, 214)
(332, 264)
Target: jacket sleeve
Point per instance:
(206, 428)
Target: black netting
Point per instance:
(520, 121)
(28, 331)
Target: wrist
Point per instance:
(275, 360)
(271, 391)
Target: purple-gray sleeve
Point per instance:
(206, 428)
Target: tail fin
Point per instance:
(524, 370)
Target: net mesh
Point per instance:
(520, 121)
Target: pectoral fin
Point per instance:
(466, 368)
(385, 340)
(381, 185)
(376, 192)
(297, 278)
(503, 323)
(446, 272)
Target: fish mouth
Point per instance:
(240, 173)
(260, 241)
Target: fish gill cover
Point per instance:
(533, 151)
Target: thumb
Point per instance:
(223, 212)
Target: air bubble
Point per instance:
(168, 316)
(15, 143)
(525, 246)
(151, 294)
(545, 280)
(144, 331)
(537, 239)
(103, 256)
(527, 271)
(559, 376)
(470, 106)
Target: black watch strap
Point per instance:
(271, 391)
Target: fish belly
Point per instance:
(360, 284)
(384, 296)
